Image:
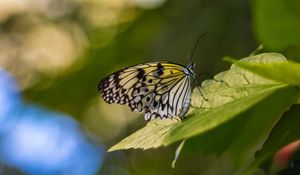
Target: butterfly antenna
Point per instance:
(195, 47)
(188, 56)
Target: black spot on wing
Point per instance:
(101, 84)
(104, 83)
(155, 103)
(160, 69)
(163, 106)
(141, 73)
(160, 72)
(110, 89)
(159, 66)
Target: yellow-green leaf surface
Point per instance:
(238, 92)
(150, 136)
(246, 132)
(286, 72)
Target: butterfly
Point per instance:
(157, 89)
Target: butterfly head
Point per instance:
(191, 67)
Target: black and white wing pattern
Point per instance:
(158, 89)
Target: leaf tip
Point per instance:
(229, 59)
(114, 148)
(111, 149)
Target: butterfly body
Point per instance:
(158, 89)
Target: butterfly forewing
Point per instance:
(158, 89)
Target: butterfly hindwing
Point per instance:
(158, 89)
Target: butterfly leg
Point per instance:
(202, 94)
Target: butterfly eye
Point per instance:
(191, 66)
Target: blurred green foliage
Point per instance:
(277, 26)
(166, 33)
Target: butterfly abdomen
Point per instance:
(186, 106)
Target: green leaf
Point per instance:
(286, 131)
(149, 136)
(285, 72)
(246, 132)
(239, 91)
(277, 23)
(211, 119)
(259, 122)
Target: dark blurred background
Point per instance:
(58, 50)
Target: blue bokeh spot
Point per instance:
(41, 142)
